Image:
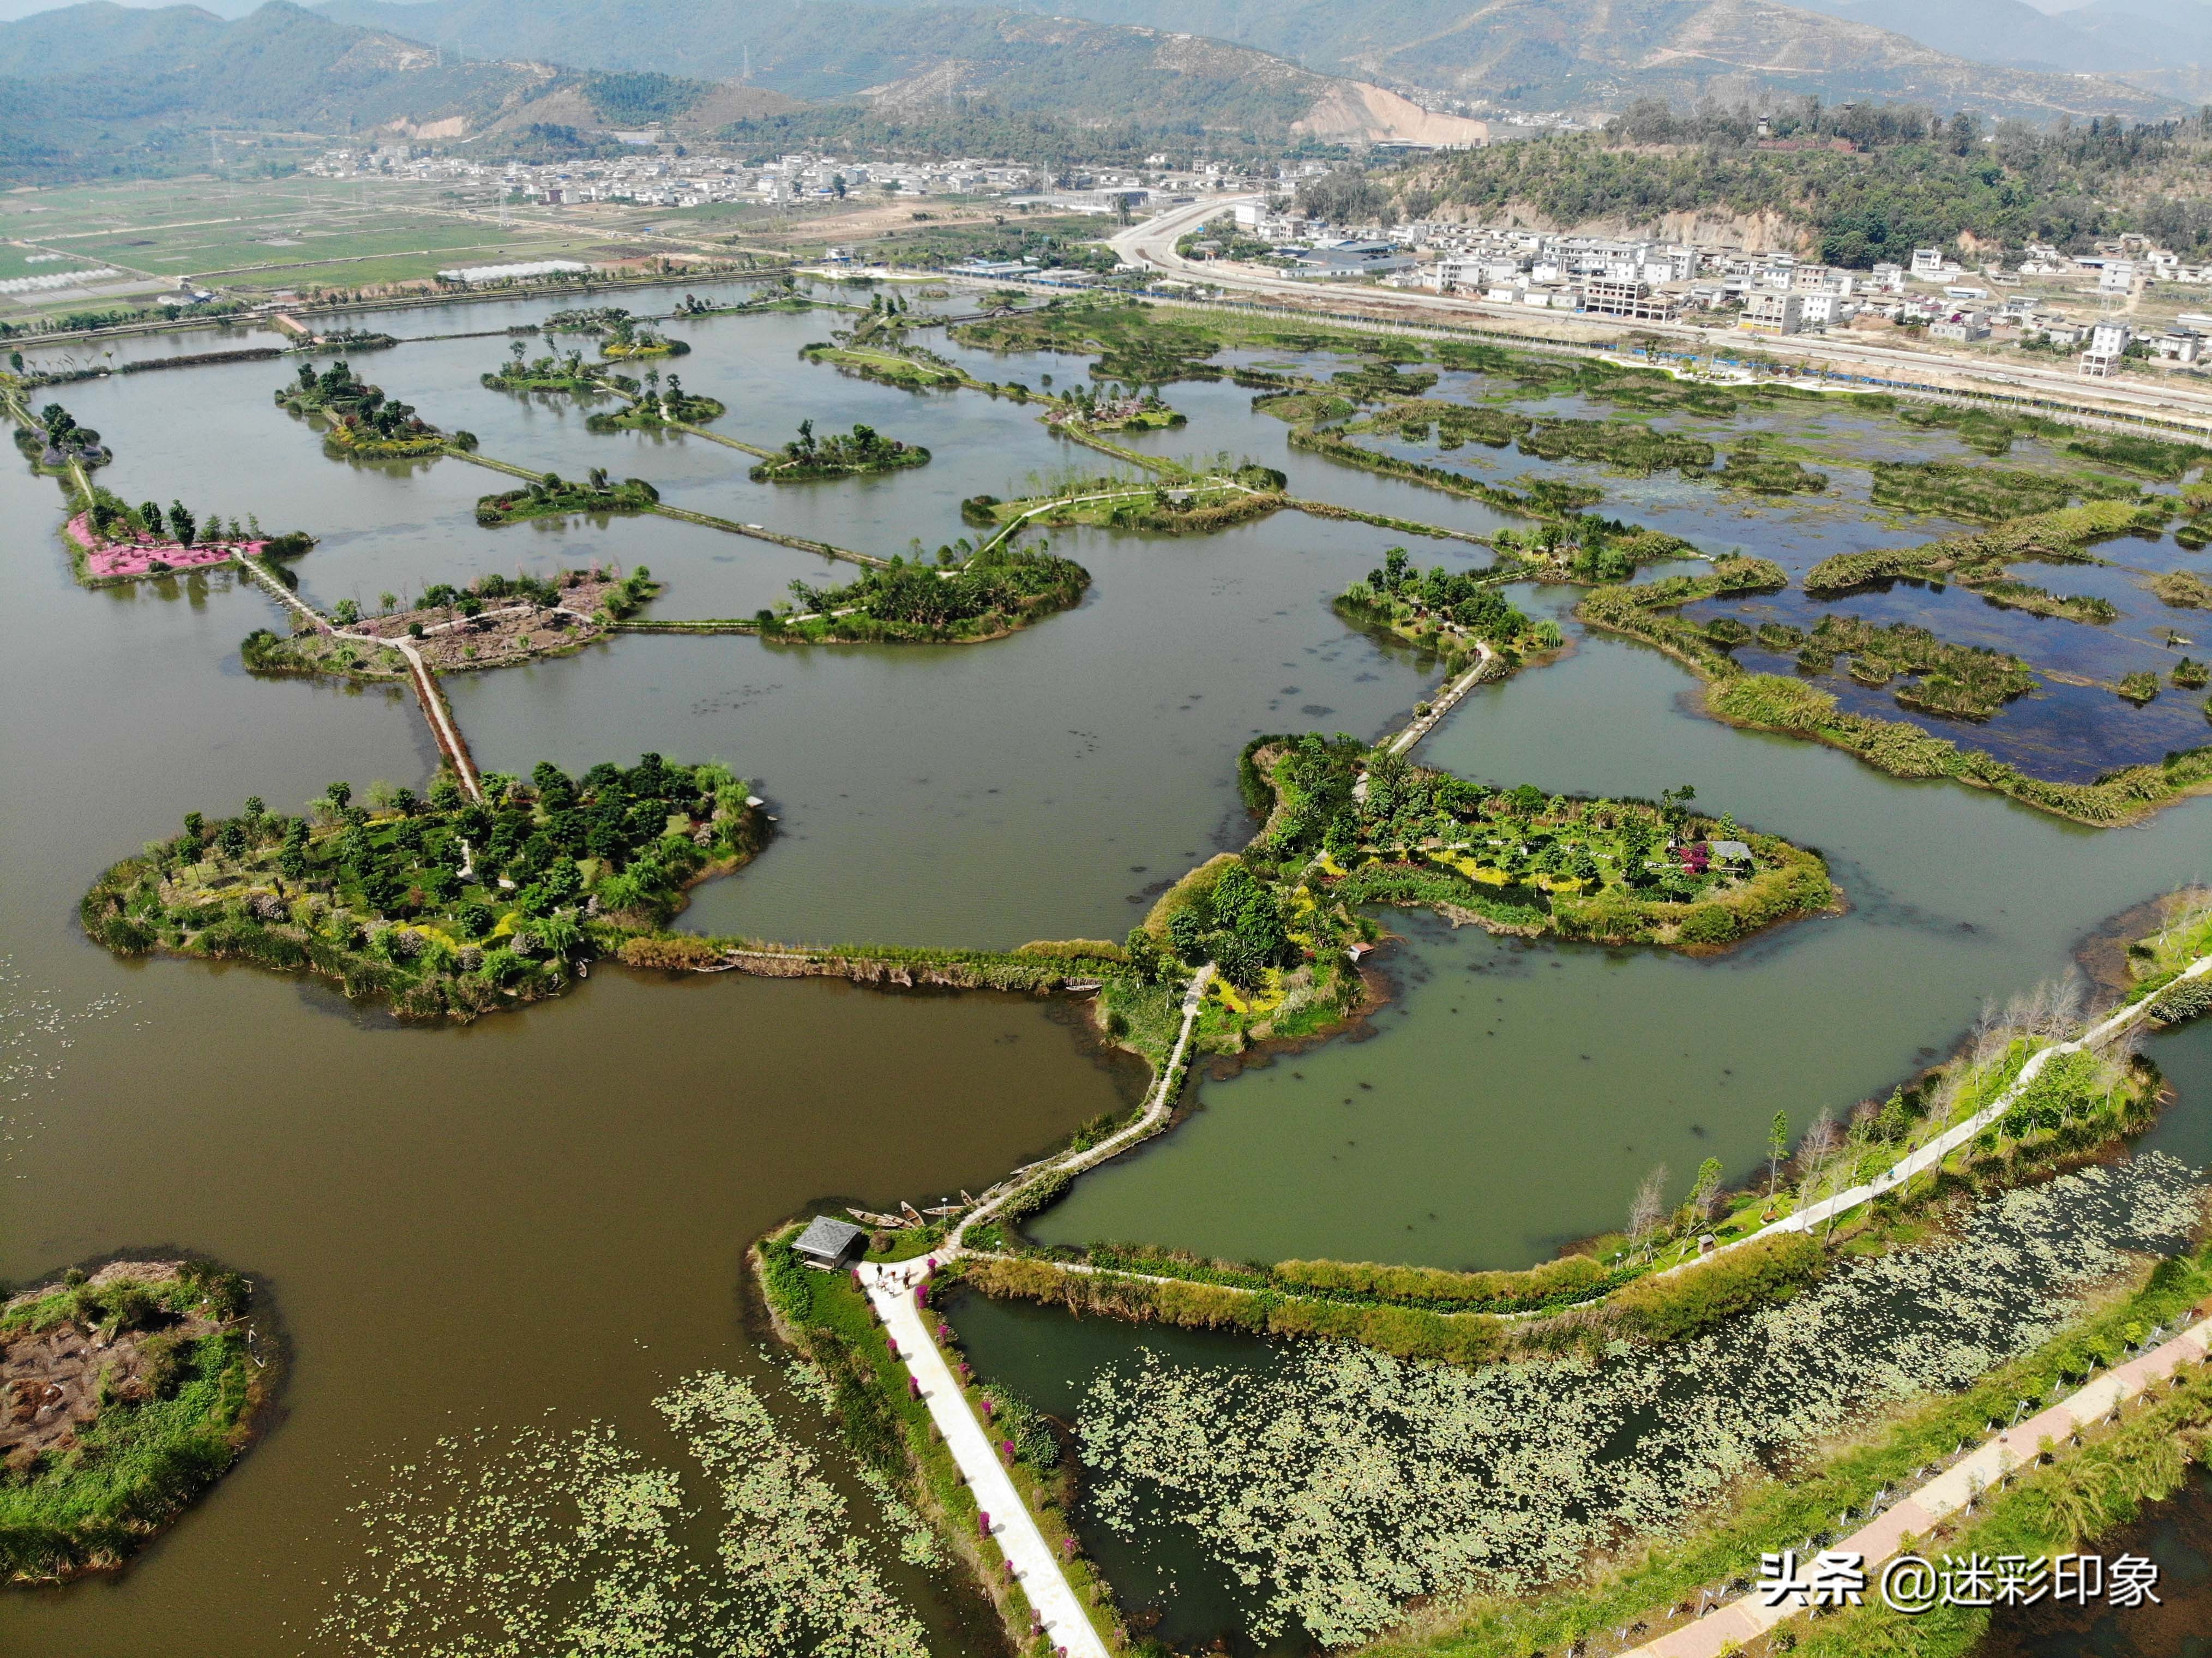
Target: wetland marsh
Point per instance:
(555, 1202)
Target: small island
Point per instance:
(57, 443)
(1117, 411)
(995, 593)
(1370, 827)
(496, 623)
(555, 496)
(782, 296)
(547, 373)
(112, 542)
(131, 1390)
(806, 458)
(1173, 501)
(446, 906)
(589, 320)
(1460, 614)
(630, 338)
(654, 407)
(910, 367)
(362, 422)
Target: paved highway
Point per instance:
(1152, 243)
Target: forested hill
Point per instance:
(1915, 181)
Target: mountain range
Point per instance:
(1525, 54)
(100, 86)
(2162, 45)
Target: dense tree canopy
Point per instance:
(1896, 177)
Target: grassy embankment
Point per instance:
(165, 1406)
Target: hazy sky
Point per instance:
(11, 10)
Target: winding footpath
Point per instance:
(893, 1289)
(1935, 1151)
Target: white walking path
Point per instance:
(1957, 1488)
(1935, 1151)
(890, 1286)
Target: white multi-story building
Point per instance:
(2108, 344)
(1633, 298)
(1826, 309)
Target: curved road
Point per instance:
(1152, 243)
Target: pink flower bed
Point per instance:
(138, 556)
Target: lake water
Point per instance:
(546, 1213)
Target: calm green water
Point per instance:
(546, 1211)
(1513, 1097)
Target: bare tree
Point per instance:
(1816, 1154)
(1648, 1205)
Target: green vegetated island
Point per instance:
(442, 905)
(53, 442)
(654, 406)
(360, 422)
(621, 335)
(863, 450)
(551, 495)
(127, 1393)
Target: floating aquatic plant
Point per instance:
(1340, 1482)
(499, 1546)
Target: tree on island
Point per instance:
(1705, 1190)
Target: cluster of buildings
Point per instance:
(1764, 293)
(657, 176)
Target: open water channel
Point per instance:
(539, 1220)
